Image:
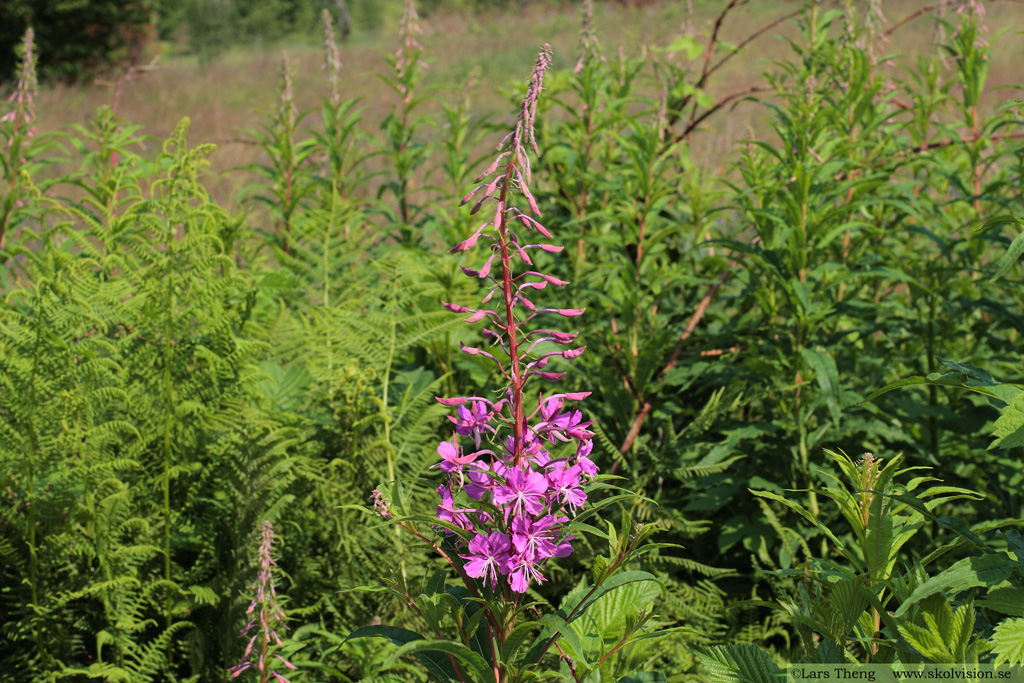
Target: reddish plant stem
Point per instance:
(677, 106)
(561, 653)
(696, 121)
(640, 240)
(607, 573)
(706, 71)
(612, 651)
(461, 572)
(510, 319)
(973, 138)
(415, 608)
(926, 10)
(677, 353)
(749, 39)
(263, 652)
(469, 586)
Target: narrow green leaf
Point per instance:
(397, 635)
(827, 376)
(975, 376)
(437, 664)
(931, 380)
(996, 221)
(441, 650)
(804, 513)
(1007, 261)
(516, 638)
(569, 634)
(644, 677)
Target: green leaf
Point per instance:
(805, 513)
(397, 635)
(284, 389)
(685, 44)
(1008, 600)
(611, 584)
(878, 536)
(1009, 427)
(435, 663)
(1015, 543)
(644, 677)
(569, 634)
(738, 664)
(516, 638)
(975, 376)
(279, 281)
(1008, 642)
(606, 619)
(442, 650)
(984, 570)
(996, 221)
(1007, 261)
(934, 380)
(827, 376)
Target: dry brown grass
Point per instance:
(231, 94)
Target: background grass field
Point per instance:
(231, 93)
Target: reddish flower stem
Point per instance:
(510, 319)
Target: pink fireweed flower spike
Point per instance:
(269, 616)
(382, 505)
(532, 491)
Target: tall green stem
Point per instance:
(168, 357)
(33, 559)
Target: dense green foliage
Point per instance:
(75, 38)
(174, 372)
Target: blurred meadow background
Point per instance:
(224, 239)
(218, 68)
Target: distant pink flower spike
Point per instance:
(270, 615)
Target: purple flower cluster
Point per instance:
(517, 496)
(519, 520)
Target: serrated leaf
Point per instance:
(606, 617)
(611, 584)
(924, 641)
(738, 664)
(1008, 642)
